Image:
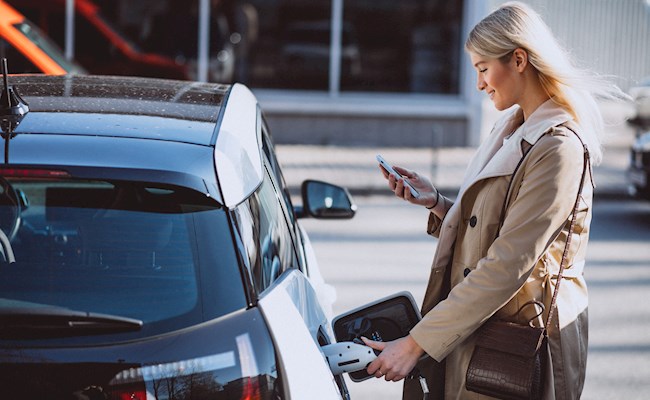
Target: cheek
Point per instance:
(495, 79)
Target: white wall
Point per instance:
(611, 37)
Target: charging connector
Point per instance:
(347, 357)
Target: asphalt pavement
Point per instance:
(357, 169)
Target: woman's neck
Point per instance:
(535, 95)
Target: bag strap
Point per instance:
(576, 206)
(565, 253)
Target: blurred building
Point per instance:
(372, 72)
(352, 72)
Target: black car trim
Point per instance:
(244, 271)
(51, 321)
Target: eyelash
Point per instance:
(482, 70)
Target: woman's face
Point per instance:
(501, 81)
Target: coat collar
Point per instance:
(501, 159)
(496, 158)
(545, 117)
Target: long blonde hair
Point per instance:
(515, 25)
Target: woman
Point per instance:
(476, 275)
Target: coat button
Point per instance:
(466, 271)
(472, 221)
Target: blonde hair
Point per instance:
(515, 25)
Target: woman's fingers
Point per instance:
(398, 185)
(405, 172)
(396, 360)
(373, 344)
(378, 367)
(383, 171)
(374, 368)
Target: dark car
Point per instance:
(150, 248)
(99, 47)
(29, 49)
(638, 172)
(640, 94)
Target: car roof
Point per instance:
(179, 131)
(159, 109)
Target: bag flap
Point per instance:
(509, 337)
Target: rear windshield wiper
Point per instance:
(58, 321)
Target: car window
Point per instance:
(162, 255)
(281, 187)
(269, 150)
(267, 240)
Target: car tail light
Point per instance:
(251, 389)
(197, 377)
(251, 383)
(136, 391)
(33, 173)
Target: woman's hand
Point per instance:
(397, 358)
(428, 194)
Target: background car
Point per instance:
(640, 94)
(638, 172)
(99, 47)
(28, 48)
(150, 247)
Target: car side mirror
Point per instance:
(383, 320)
(326, 201)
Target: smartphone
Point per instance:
(390, 170)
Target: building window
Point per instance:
(408, 46)
(292, 46)
(401, 46)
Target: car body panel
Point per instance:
(237, 156)
(326, 293)
(293, 323)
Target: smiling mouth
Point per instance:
(491, 94)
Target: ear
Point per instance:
(520, 57)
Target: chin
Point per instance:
(502, 106)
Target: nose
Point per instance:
(480, 83)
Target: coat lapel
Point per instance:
(502, 159)
(493, 158)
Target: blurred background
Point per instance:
(342, 80)
(334, 72)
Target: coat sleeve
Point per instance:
(433, 225)
(533, 220)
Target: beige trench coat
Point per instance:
(491, 276)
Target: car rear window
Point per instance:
(161, 255)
